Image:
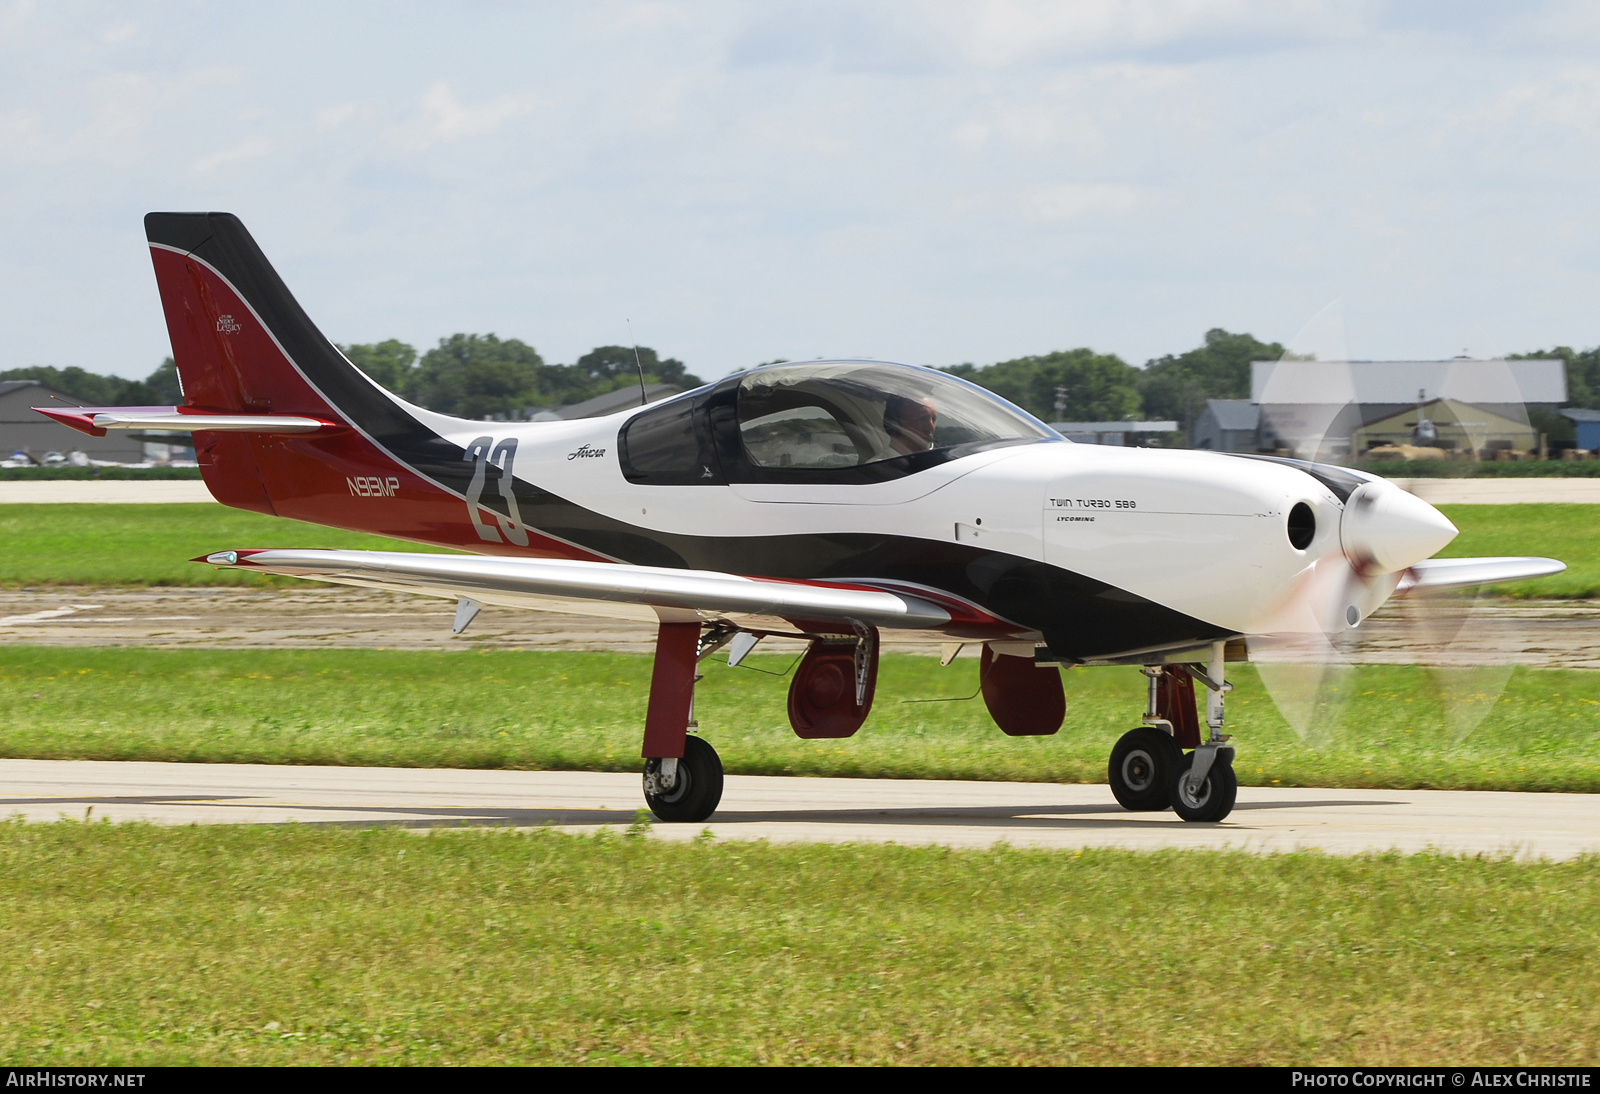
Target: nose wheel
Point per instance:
(1211, 797)
(1149, 769)
(684, 790)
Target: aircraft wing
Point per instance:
(1450, 573)
(536, 582)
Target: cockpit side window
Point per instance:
(670, 445)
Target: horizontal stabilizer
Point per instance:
(96, 420)
(523, 582)
(1449, 573)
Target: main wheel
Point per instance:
(1141, 769)
(698, 789)
(1214, 800)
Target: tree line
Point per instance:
(482, 375)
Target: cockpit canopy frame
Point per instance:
(820, 422)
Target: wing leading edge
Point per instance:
(522, 582)
(1449, 573)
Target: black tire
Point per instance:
(1142, 767)
(1214, 800)
(698, 790)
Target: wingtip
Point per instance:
(221, 558)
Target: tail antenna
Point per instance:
(643, 398)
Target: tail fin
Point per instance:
(245, 349)
(241, 341)
(242, 344)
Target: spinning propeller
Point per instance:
(1336, 616)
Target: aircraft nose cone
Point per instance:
(1385, 529)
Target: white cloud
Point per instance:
(1569, 99)
(1304, 205)
(252, 148)
(1057, 202)
(21, 134)
(120, 34)
(998, 33)
(649, 15)
(122, 108)
(14, 15)
(971, 136)
(443, 117)
(329, 118)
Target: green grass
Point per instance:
(152, 544)
(128, 945)
(1569, 532)
(1481, 469)
(584, 711)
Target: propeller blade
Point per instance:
(1312, 406)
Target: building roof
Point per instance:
(8, 386)
(613, 401)
(1114, 427)
(1339, 382)
(1234, 414)
(1581, 414)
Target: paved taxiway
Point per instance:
(955, 814)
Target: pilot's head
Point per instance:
(910, 423)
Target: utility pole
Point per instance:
(1061, 402)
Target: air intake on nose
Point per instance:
(1302, 526)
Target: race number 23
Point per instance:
(482, 453)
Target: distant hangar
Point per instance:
(1340, 408)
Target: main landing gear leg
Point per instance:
(1149, 770)
(1206, 786)
(682, 774)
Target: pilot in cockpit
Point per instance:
(910, 423)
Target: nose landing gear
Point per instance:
(1150, 771)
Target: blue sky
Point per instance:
(930, 183)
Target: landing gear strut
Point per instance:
(1149, 770)
(682, 774)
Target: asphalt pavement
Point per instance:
(953, 814)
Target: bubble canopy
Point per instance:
(848, 414)
(823, 421)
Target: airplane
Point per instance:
(822, 500)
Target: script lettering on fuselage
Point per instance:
(371, 486)
(586, 452)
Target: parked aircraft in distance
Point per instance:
(827, 500)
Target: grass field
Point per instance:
(133, 945)
(584, 711)
(151, 544)
(1570, 533)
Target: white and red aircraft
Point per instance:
(827, 500)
